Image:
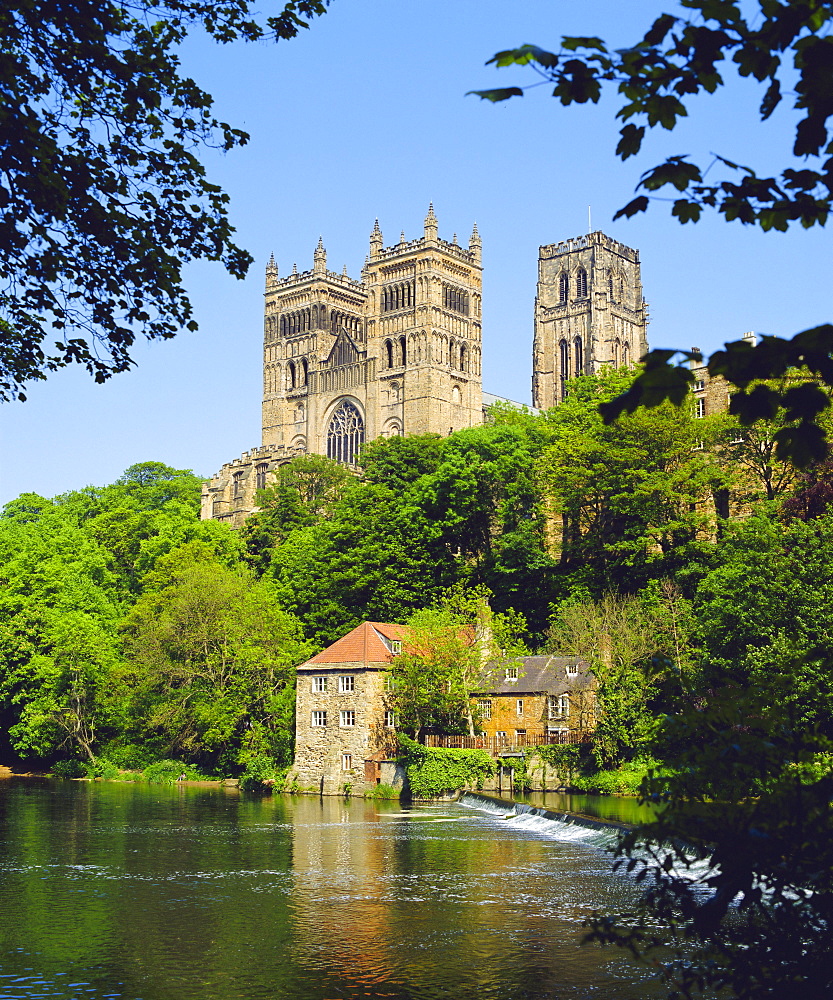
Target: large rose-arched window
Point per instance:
(345, 435)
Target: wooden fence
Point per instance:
(497, 744)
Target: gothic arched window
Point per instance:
(345, 435)
(463, 359)
(581, 283)
(304, 372)
(402, 354)
(291, 373)
(578, 355)
(388, 354)
(563, 288)
(564, 352)
(626, 354)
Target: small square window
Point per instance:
(319, 684)
(390, 720)
(347, 719)
(346, 762)
(347, 682)
(319, 718)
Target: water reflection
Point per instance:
(140, 893)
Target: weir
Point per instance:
(563, 825)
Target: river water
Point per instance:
(113, 891)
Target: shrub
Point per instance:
(261, 774)
(69, 769)
(167, 772)
(433, 771)
(128, 756)
(382, 791)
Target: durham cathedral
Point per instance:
(399, 351)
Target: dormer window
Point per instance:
(395, 647)
(572, 669)
(511, 673)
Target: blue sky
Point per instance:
(365, 116)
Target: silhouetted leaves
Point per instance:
(677, 58)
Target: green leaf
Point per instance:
(499, 94)
(631, 141)
(632, 208)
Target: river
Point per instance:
(115, 891)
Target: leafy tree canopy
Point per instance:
(103, 199)
(785, 47)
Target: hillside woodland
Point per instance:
(132, 632)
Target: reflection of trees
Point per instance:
(177, 894)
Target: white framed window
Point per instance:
(572, 669)
(346, 762)
(347, 682)
(347, 719)
(699, 385)
(700, 407)
(319, 684)
(558, 706)
(390, 683)
(319, 718)
(484, 706)
(500, 739)
(511, 673)
(396, 646)
(519, 706)
(390, 719)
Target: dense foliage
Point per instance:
(434, 771)
(103, 198)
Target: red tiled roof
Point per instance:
(363, 645)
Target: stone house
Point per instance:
(536, 700)
(345, 723)
(344, 726)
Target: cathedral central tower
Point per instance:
(589, 312)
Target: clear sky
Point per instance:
(365, 116)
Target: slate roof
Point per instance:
(365, 644)
(537, 675)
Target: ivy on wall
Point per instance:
(433, 771)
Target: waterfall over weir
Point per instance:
(560, 826)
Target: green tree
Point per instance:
(103, 199)
(305, 491)
(209, 657)
(737, 865)
(448, 651)
(59, 609)
(629, 643)
(764, 612)
(631, 501)
(379, 556)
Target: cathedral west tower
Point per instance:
(589, 312)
